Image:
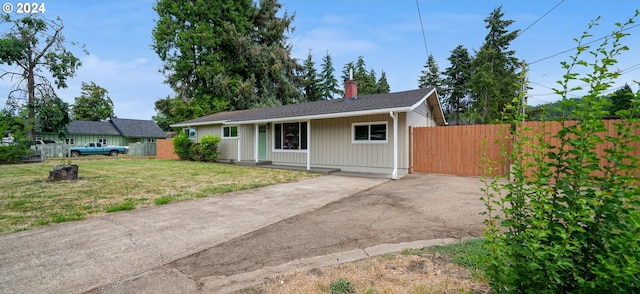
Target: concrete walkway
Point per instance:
(87, 255)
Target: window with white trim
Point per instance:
(290, 136)
(151, 140)
(70, 141)
(191, 133)
(374, 132)
(103, 141)
(229, 132)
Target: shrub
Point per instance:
(209, 148)
(182, 146)
(13, 153)
(569, 221)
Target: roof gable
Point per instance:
(136, 128)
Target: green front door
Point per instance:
(262, 142)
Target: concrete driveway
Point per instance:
(223, 243)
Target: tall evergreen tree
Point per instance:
(223, 54)
(494, 80)
(431, 76)
(621, 99)
(366, 79)
(329, 85)
(457, 76)
(310, 80)
(383, 85)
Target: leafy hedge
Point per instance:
(205, 150)
(566, 223)
(13, 153)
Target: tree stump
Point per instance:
(65, 172)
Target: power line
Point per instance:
(588, 43)
(424, 37)
(520, 33)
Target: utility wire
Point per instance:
(424, 37)
(588, 43)
(537, 20)
(623, 71)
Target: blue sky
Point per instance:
(117, 34)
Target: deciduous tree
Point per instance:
(93, 104)
(31, 46)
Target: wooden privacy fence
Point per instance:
(458, 150)
(164, 149)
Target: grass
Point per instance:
(437, 269)
(468, 254)
(106, 186)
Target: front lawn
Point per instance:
(106, 186)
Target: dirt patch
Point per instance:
(431, 273)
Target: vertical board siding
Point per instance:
(458, 150)
(331, 144)
(248, 137)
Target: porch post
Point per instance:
(255, 143)
(308, 144)
(239, 145)
(394, 174)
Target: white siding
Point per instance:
(420, 117)
(247, 135)
(331, 143)
(228, 148)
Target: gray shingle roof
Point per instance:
(129, 128)
(136, 128)
(91, 128)
(325, 107)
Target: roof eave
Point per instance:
(196, 124)
(415, 105)
(322, 116)
(439, 107)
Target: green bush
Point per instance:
(205, 150)
(565, 222)
(209, 148)
(182, 146)
(13, 153)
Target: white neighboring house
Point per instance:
(358, 134)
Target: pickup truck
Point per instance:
(95, 148)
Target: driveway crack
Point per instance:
(127, 231)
